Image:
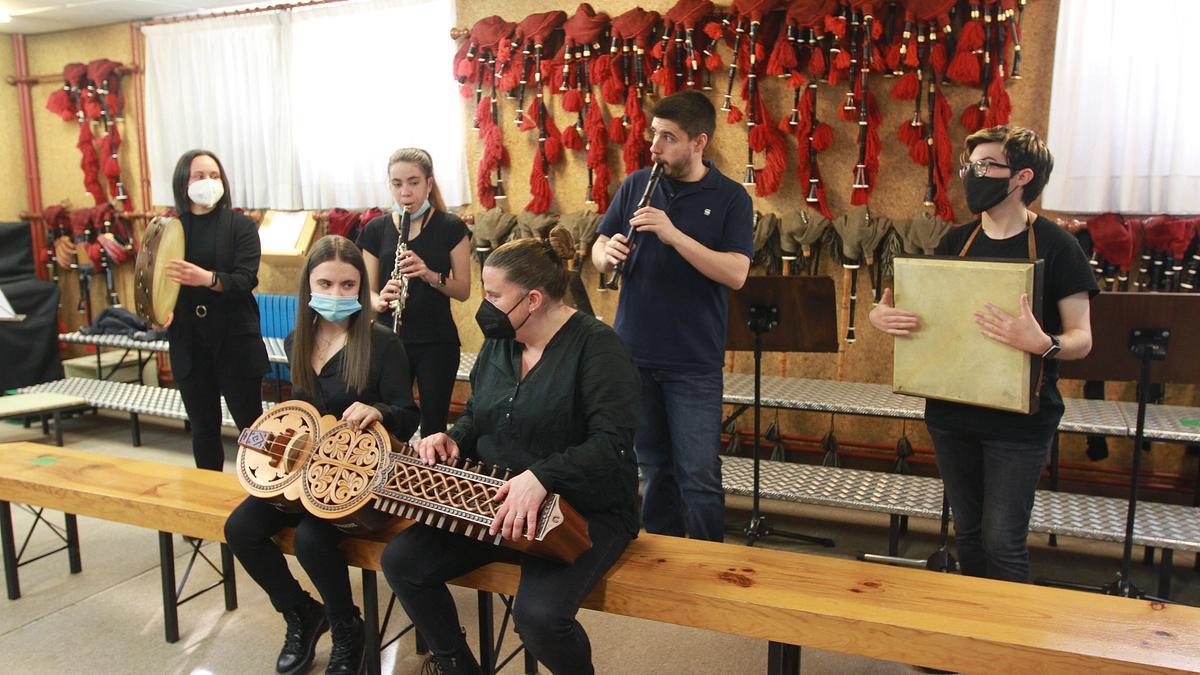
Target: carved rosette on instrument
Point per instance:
(274, 451)
(344, 468)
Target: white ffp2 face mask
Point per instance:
(206, 192)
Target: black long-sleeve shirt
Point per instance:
(571, 421)
(389, 388)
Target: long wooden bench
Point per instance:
(939, 620)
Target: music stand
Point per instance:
(779, 314)
(1130, 339)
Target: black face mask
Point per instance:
(985, 193)
(493, 321)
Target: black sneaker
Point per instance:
(305, 624)
(347, 655)
(462, 663)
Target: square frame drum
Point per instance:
(947, 357)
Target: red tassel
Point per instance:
(60, 104)
(571, 139)
(822, 137)
(656, 52)
(465, 68)
(554, 148)
(842, 62)
(572, 101)
(910, 135)
(835, 25)
(937, 58)
(539, 188)
(601, 70)
(972, 118)
(893, 56)
(613, 90)
(713, 30)
(616, 131)
(529, 120)
(466, 90)
(835, 76)
(971, 37)
(1000, 100)
(597, 135)
(713, 62)
(601, 177)
(797, 80)
(907, 87)
(512, 75)
(912, 56)
(816, 64)
(942, 146)
(964, 68)
(734, 116)
(783, 56)
(919, 152)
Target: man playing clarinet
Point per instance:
(676, 258)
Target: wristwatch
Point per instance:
(441, 280)
(1055, 347)
(213, 283)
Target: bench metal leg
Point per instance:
(166, 561)
(45, 424)
(893, 535)
(1165, 571)
(783, 659)
(228, 578)
(73, 555)
(487, 633)
(58, 428)
(10, 551)
(531, 663)
(371, 622)
(136, 429)
(1148, 556)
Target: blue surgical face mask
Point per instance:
(334, 308)
(415, 214)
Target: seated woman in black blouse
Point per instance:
(554, 398)
(346, 366)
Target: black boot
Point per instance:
(461, 663)
(347, 655)
(305, 623)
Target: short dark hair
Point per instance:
(179, 182)
(1023, 149)
(691, 110)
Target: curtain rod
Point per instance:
(282, 7)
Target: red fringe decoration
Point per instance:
(964, 68)
(601, 177)
(60, 104)
(910, 135)
(90, 163)
(822, 137)
(734, 116)
(919, 152)
(712, 61)
(616, 131)
(783, 56)
(912, 57)
(637, 150)
(907, 88)
(539, 188)
(972, 118)
(572, 101)
(970, 38)
(816, 63)
(937, 58)
(893, 56)
(571, 139)
(797, 80)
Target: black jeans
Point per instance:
(990, 485)
(248, 532)
(201, 391)
(420, 560)
(434, 368)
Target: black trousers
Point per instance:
(248, 532)
(421, 559)
(434, 368)
(202, 390)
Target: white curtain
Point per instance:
(1121, 106)
(304, 107)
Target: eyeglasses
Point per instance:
(980, 167)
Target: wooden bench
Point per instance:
(940, 620)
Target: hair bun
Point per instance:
(561, 243)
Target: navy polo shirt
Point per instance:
(670, 315)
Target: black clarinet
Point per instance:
(621, 269)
